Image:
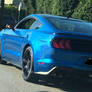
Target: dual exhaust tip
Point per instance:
(89, 61)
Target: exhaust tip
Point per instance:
(89, 61)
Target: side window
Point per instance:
(36, 25)
(26, 24)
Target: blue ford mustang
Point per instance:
(40, 43)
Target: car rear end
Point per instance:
(66, 50)
(71, 45)
(73, 51)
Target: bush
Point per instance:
(84, 10)
(13, 11)
(81, 9)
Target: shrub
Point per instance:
(81, 9)
(13, 11)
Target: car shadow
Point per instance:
(41, 91)
(69, 81)
(11, 65)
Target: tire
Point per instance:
(0, 53)
(0, 60)
(27, 64)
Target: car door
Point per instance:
(14, 40)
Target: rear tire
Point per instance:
(2, 61)
(27, 64)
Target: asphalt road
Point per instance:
(11, 81)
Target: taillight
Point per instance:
(61, 43)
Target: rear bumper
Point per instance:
(46, 67)
(69, 59)
(0, 46)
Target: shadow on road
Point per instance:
(9, 64)
(41, 91)
(69, 81)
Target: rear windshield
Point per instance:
(70, 25)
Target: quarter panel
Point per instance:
(40, 41)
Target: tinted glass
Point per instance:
(36, 25)
(70, 25)
(26, 24)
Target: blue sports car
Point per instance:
(41, 43)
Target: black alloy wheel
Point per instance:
(27, 64)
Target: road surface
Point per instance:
(11, 81)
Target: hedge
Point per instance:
(13, 11)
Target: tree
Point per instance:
(81, 9)
(84, 10)
(1, 13)
(29, 6)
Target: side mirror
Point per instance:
(9, 27)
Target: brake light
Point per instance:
(61, 43)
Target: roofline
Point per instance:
(50, 15)
(63, 17)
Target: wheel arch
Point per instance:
(27, 45)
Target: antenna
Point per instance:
(70, 14)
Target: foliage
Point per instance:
(13, 11)
(30, 6)
(84, 10)
(81, 9)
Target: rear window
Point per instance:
(70, 25)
